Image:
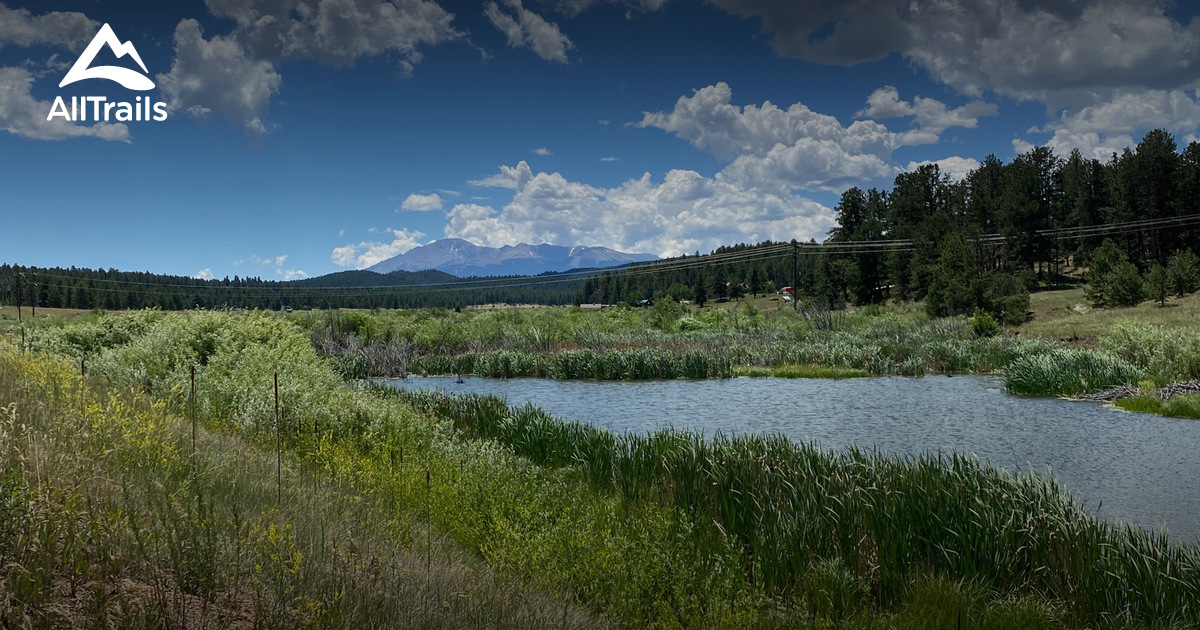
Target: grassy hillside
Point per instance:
(1067, 315)
(108, 518)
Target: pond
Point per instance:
(1136, 468)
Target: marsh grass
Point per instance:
(1069, 371)
(670, 529)
(801, 517)
(1187, 406)
(799, 371)
(107, 519)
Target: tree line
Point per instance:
(979, 243)
(111, 289)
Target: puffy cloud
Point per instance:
(956, 167)
(337, 32)
(20, 113)
(422, 203)
(513, 177)
(70, 30)
(291, 274)
(610, 159)
(931, 115)
(1109, 126)
(204, 274)
(217, 76)
(1021, 48)
(810, 164)
(234, 75)
(482, 225)
(23, 115)
(368, 253)
(781, 149)
(683, 213)
(527, 29)
(543, 151)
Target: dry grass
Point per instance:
(10, 312)
(1066, 315)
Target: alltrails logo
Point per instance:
(102, 109)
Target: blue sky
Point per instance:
(312, 136)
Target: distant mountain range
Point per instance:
(462, 258)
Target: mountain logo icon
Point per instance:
(126, 77)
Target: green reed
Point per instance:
(790, 507)
(1068, 371)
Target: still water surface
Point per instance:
(1138, 468)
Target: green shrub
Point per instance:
(984, 325)
(1014, 309)
(1183, 272)
(1113, 280)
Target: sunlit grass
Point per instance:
(1187, 406)
(858, 522)
(106, 518)
(671, 529)
(1068, 371)
(798, 371)
(1067, 315)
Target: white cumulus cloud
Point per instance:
(1111, 125)
(931, 115)
(68, 29)
(783, 149)
(217, 76)
(685, 212)
(23, 115)
(204, 274)
(956, 167)
(422, 203)
(543, 151)
(513, 177)
(368, 253)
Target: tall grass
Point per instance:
(883, 346)
(627, 365)
(1068, 371)
(1167, 355)
(527, 523)
(792, 508)
(670, 529)
(108, 520)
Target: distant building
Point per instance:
(593, 307)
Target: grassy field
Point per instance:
(513, 512)
(10, 312)
(1065, 315)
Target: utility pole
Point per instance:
(33, 298)
(795, 275)
(19, 276)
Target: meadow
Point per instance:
(669, 341)
(447, 512)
